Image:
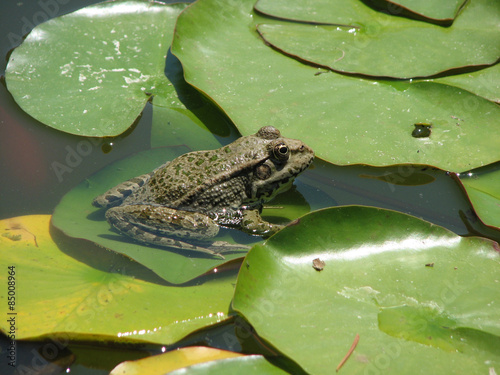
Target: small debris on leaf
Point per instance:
(318, 264)
(430, 264)
(353, 346)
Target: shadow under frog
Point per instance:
(189, 198)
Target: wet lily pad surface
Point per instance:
(421, 298)
(375, 43)
(92, 71)
(345, 119)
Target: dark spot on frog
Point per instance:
(422, 130)
(263, 172)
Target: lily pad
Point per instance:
(483, 190)
(382, 51)
(63, 298)
(378, 44)
(170, 361)
(76, 217)
(359, 13)
(484, 82)
(346, 120)
(92, 71)
(247, 365)
(422, 299)
(442, 12)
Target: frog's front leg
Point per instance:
(157, 225)
(253, 223)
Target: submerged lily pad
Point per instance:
(76, 217)
(92, 71)
(346, 120)
(63, 298)
(422, 299)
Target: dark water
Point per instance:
(32, 184)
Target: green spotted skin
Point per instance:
(187, 199)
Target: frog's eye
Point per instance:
(281, 151)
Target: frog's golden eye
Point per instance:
(281, 151)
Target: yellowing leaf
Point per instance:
(164, 363)
(60, 296)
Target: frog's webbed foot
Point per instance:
(163, 226)
(116, 195)
(252, 223)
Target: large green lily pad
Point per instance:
(377, 44)
(346, 120)
(422, 299)
(359, 13)
(382, 51)
(60, 297)
(92, 71)
(76, 217)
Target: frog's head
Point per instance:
(284, 159)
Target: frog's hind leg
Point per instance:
(162, 226)
(116, 195)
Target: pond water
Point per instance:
(39, 166)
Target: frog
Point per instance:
(183, 203)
